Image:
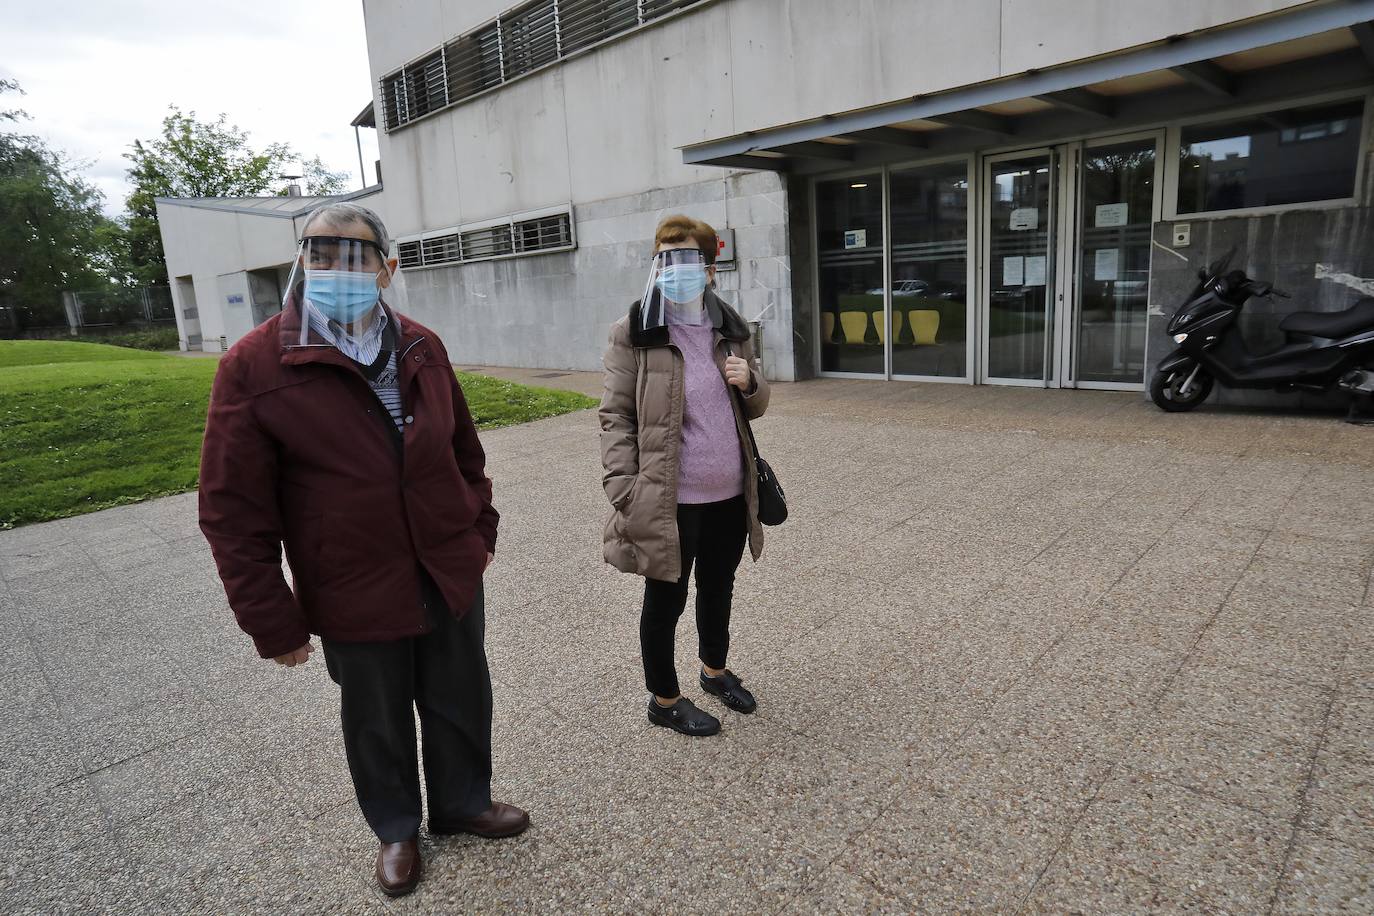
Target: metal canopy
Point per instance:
(1177, 78)
(366, 118)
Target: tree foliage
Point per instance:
(52, 231)
(194, 158)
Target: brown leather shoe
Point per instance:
(500, 820)
(398, 867)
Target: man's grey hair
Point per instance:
(341, 214)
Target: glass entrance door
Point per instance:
(1018, 280)
(1117, 203)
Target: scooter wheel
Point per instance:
(1164, 390)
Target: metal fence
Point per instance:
(103, 308)
(81, 309)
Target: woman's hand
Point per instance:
(737, 372)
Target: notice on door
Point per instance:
(1106, 263)
(1013, 271)
(1024, 218)
(1111, 215)
(1035, 271)
(855, 238)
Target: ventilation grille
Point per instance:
(530, 36)
(519, 236)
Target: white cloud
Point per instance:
(98, 75)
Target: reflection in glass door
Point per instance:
(849, 251)
(929, 317)
(1116, 209)
(1018, 226)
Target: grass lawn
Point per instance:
(86, 426)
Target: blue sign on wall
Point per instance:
(236, 300)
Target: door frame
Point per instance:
(971, 170)
(1071, 252)
(983, 292)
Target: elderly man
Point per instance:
(338, 430)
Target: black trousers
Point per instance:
(443, 674)
(713, 536)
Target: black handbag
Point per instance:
(772, 499)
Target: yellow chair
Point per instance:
(855, 326)
(882, 326)
(827, 327)
(925, 324)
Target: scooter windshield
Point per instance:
(1207, 276)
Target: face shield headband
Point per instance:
(673, 294)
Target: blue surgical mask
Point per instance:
(341, 295)
(682, 283)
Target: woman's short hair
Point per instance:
(674, 230)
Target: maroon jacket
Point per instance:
(298, 452)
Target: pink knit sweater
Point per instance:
(711, 468)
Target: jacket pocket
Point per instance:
(621, 490)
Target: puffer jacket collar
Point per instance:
(723, 318)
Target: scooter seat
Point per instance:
(1332, 325)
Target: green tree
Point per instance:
(52, 230)
(194, 158)
(319, 180)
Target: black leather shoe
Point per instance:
(730, 690)
(683, 716)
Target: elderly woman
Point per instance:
(679, 389)
(338, 430)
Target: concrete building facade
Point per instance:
(975, 191)
(228, 260)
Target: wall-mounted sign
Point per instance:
(725, 249)
(855, 238)
(1111, 215)
(1024, 218)
(235, 300)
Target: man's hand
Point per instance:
(292, 659)
(737, 372)
(490, 557)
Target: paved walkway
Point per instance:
(1017, 651)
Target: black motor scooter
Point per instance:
(1323, 350)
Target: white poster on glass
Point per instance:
(1024, 218)
(1106, 263)
(1013, 271)
(1035, 271)
(1111, 215)
(855, 238)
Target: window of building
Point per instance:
(521, 40)
(1291, 156)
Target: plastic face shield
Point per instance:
(341, 278)
(674, 291)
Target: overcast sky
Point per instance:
(98, 74)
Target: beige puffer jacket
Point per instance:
(641, 438)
